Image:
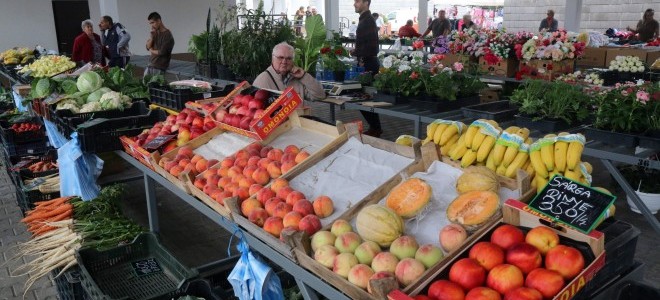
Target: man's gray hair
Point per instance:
(284, 45)
(87, 22)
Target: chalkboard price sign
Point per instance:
(158, 141)
(572, 203)
(146, 267)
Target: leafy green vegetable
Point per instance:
(68, 86)
(42, 88)
(308, 49)
(114, 100)
(89, 81)
(95, 96)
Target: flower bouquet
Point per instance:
(549, 55)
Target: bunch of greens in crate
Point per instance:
(125, 82)
(629, 108)
(6, 99)
(552, 100)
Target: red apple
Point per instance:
(467, 273)
(506, 236)
(523, 293)
(504, 278)
(566, 260)
(548, 282)
(543, 238)
(488, 255)
(482, 293)
(524, 256)
(446, 290)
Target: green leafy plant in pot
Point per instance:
(556, 100)
(308, 48)
(332, 55)
(629, 108)
(646, 185)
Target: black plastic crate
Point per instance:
(33, 148)
(28, 198)
(436, 105)
(102, 135)
(24, 172)
(199, 288)
(636, 290)
(68, 284)
(11, 137)
(497, 111)
(611, 289)
(544, 125)
(176, 98)
(66, 121)
(143, 269)
(611, 137)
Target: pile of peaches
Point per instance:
(187, 125)
(511, 266)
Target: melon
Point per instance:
(379, 224)
(477, 178)
(409, 197)
(473, 209)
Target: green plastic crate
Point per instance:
(123, 272)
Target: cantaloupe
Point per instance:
(473, 209)
(477, 178)
(409, 197)
(379, 224)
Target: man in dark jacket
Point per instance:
(550, 23)
(115, 40)
(366, 50)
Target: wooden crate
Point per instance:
(351, 131)
(505, 68)
(546, 69)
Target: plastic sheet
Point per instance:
(78, 171)
(251, 278)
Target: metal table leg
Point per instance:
(152, 206)
(631, 193)
(418, 128)
(307, 292)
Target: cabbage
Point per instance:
(91, 107)
(89, 81)
(95, 96)
(69, 86)
(114, 100)
(43, 88)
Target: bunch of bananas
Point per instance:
(444, 133)
(477, 142)
(406, 140)
(16, 56)
(511, 152)
(559, 155)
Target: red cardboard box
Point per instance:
(505, 68)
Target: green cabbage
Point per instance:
(43, 88)
(89, 81)
(95, 96)
(68, 86)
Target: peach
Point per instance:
(249, 205)
(176, 170)
(543, 238)
(452, 237)
(281, 209)
(254, 146)
(169, 165)
(524, 256)
(184, 162)
(227, 162)
(258, 216)
(310, 224)
(404, 247)
(506, 236)
(288, 158)
(264, 151)
(223, 182)
(245, 182)
(190, 169)
(304, 207)
(275, 154)
(384, 261)
(566, 260)
(179, 157)
(215, 194)
(504, 278)
(379, 275)
(271, 204)
(274, 226)
(248, 170)
(321, 238)
(241, 193)
(446, 290)
(212, 162)
(254, 161)
(347, 242)
(234, 171)
(213, 179)
(467, 273)
(343, 263)
(482, 293)
(254, 189)
(286, 166)
(487, 254)
(264, 194)
(263, 162)
(278, 183)
(523, 293)
(548, 282)
(294, 197)
(429, 255)
(340, 226)
(293, 149)
(186, 150)
(195, 158)
(292, 219)
(223, 171)
(366, 252)
(261, 176)
(163, 161)
(241, 162)
(236, 179)
(408, 270)
(301, 156)
(325, 255)
(201, 165)
(222, 196)
(242, 154)
(274, 169)
(231, 187)
(283, 192)
(208, 188)
(359, 275)
(200, 183)
(323, 206)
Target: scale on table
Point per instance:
(334, 88)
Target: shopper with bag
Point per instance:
(115, 39)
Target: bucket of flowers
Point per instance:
(497, 58)
(333, 56)
(549, 55)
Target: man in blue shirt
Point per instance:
(115, 40)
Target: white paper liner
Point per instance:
(348, 175)
(223, 145)
(308, 140)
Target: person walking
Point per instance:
(298, 20)
(366, 50)
(549, 23)
(159, 45)
(87, 45)
(439, 26)
(115, 38)
(647, 27)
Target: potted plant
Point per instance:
(646, 185)
(332, 55)
(550, 106)
(308, 48)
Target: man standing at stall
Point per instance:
(550, 23)
(159, 45)
(115, 40)
(439, 26)
(366, 50)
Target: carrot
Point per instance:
(43, 230)
(48, 202)
(65, 215)
(39, 215)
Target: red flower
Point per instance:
(339, 51)
(325, 50)
(519, 75)
(414, 75)
(418, 44)
(546, 42)
(549, 67)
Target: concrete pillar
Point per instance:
(423, 15)
(109, 8)
(573, 15)
(331, 17)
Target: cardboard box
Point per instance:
(450, 59)
(546, 69)
(593, 57)
(612, 53)
(505, 68)
(651, 57)
(519, 214)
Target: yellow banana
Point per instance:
(444, 149)
(523, 132)
(430, 130)
(498, 153)
(540, 183)
(485, 148)
(537, 164)
(553, 173)
(532, 183)
(438, 132)
(509, 155)
(588, 167)
(469, 135)
(478, 139)
(561, 148)
(512, 129)
(406, 140)
(468, 158)
(457, 152)
(573, 154)
(517, 163)
(572, 175)
(490, 162)
(447, 134)
(501, 170)
(547, 152)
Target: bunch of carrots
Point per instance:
(44, 212)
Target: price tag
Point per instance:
(146, 267)
(158, 141)
(572, 203)
(207, 95)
